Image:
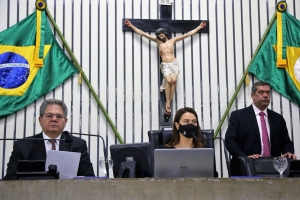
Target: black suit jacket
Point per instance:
(35, 150)
(243, 138)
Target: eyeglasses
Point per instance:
(50, 116)
(261, 92)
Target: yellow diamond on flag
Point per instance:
(32, 63)
(17, 68)
(293, 68)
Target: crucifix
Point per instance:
(163, 29)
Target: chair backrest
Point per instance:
(260, 167)
(164, 136)
(155, 139)
(295, 168)
(247, 167)
(208, 136)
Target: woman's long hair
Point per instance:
(175, 134)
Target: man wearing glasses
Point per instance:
(53, 118)
(257, 131)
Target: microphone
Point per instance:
(66, 133)
(224, 148)
(105, 151)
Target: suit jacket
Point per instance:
(35, 150)
(243, 138)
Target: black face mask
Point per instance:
(188, 130)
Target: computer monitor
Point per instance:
(138, 152)
(31, 165)
(34, 170)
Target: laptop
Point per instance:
(195, 162)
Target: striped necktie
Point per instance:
(53, 141)
(265, 137)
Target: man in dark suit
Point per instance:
(53, 118)
(244, 136)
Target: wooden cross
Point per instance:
(165, 21)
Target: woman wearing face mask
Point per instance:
(185, 129)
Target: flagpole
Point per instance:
(244, 75)
(84, 77)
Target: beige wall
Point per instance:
(136, 189)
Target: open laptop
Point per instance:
(196, 162)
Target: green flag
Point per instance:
(31, 63)
(278, 60)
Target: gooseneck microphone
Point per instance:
(67, 140)
(105, 151)
(224, 148)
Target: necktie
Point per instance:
(265, 138)
(53, 141)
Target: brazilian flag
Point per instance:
(278, 60)
(31, 63)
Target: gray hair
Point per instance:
(259, 83)
(51, 102)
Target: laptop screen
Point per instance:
(195, 162)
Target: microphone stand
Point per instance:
(226, 156)
(105, 150)
(67, 140)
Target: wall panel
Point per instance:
(123, 68)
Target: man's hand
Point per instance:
(290, 155)
(202, 25)
(254, 156)
(128, 23)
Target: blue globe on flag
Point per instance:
(14, 70)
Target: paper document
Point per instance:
(67, 163)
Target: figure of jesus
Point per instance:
(169, 66)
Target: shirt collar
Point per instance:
(47, 137)
(257, 111)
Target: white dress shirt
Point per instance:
(48, 144)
